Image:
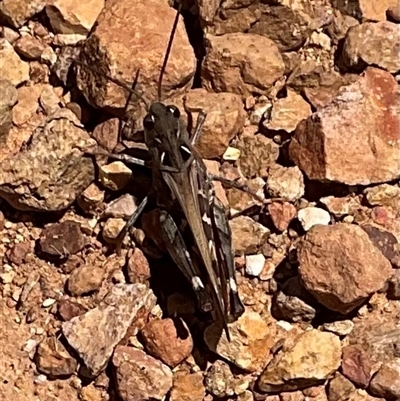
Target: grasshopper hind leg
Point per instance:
(177, 249)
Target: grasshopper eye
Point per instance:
(149, 121)
(174, 111)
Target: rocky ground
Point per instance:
(302, 103)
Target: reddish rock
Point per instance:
(69, 309)
(140, 376)
(356, 366)
(340, 266)
(168, 340)
(138, 268)
(106, 134)
(241, 63)
(18, 252)
(281, 214)
(188, 387)
(330, 145)
(62, 239)
(258, 153)
(373, 44)
(53, 360)
(225, 119)
(126, 42)
(386, 382)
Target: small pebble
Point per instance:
(311, 216)
(48, 302)
(254, 264)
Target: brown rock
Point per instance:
(386, 382)
(8, 100)
(366, 10)
(73, 17)
(373, 44)
(139, 376)
(28, 103)
(310, 359)
(340, 388)
(12, 67)
(393, 291)
(225, 118)
(115, 175)
(356, 366)
(106, 133)
(17, 12)
(112, 228)
(49, 173)
(19, 252)
(62, 239)
(281, 214)
(168, 340)
(219, 380)
(385, 241)
(285, 182)
(188, 387)
(340, 266)
(378, 333)
(287, 112)
(91, 198)
(247, 235)
(122, 207)
(288, 27)
(241, 63)
(239, 200)
(337, 30)
(85, 279)
(341, 206)
(95, 334)
(251, 341)
(68, 309)
(120, 32)
(257, 154)
(138, 268)
(49, 100)
(52, 359)
(329, 145)
(383, 195)
(29, 47)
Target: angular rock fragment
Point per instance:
(52, 171)
(17, 12)
(144, 50)
(340, 266)
(95, 334)
(12, 67)
(241, 63)
(62, 239)
(73, 17)
(225, 119)
(251, 343)
(330, 145)
(140, 376)
(373, 44)
(188, 387)
(168, 340)
(311, 359)
(53, 360)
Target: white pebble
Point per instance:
(311, 216)
(254, 264)
(48, 302)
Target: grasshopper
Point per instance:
(184, 192)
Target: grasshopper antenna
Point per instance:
(168, 51)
